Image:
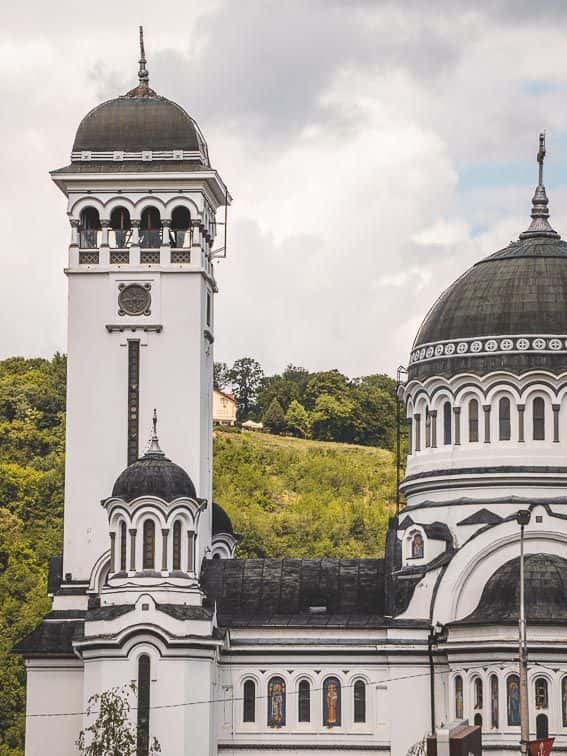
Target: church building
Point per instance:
(248, 657)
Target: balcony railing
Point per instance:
(88, 258)
(89, 238)
(150, 257)
(119, 257)
(150, 238)
(180, 256)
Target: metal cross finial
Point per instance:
(541, 156)
(154, 422)
(143, 74)
(153, 449)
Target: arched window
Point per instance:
(513, 699)
(447, 423)
(143, 705)
(494, 713)
(149, 545)
(249, 712)
(478, 720)
(473, 420)
(177, 545)
(304, 702)
(276, 702)
(504, 428)
(332, 702)
(564, 701)
(89, 227)
(360, 701)
(541, 694)
(427, 428)
(150, 228)
(417, 546)
(542, 727)
(459, 697)
(478, 693)
(121, 228)
(538, 411)
(180, 235)
(123, 536)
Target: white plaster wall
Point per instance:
(53, 688)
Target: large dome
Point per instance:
(546, 592)
(509, 311)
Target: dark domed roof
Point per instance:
(484, 321)
(221, 521)
(546, 592)
(154, 475)
(137, 123)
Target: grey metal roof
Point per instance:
(154, 476)
(137, 123)
(281, 592)
(546, 593)
(131, 166)
(221, 521)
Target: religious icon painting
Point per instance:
(513, 696)
(276, 702)
(332, 702)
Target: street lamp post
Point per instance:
(523, 518)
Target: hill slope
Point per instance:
(289, 497)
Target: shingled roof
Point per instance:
(298, 592)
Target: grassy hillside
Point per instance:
(287, 497)
(290, 497)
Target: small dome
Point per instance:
(221, 521)
(546, 592)
(154, 475)
(136, 123)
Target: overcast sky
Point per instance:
(375, 150)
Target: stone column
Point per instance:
(164, 535)
(113, 552)
(132, 532)
(104, 258)
(74, 232)
(135, 243)
(486, 409)
(190, 552)
(417, 423)
(410, 436)
(457, 414)
(521, 416)
(165, 251)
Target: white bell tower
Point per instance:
(142, 202)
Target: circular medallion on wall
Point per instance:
(134, 299)
(491, 345)
(462, 347)
(555, 344)
(476, 346)
(439, 349)
(449, 349)
(539, 344)
(506, 344)
(523, 344)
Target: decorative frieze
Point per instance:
(493, 345)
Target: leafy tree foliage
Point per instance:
(111, 733)
(245, 377)
(220, 376)
(297, 419)
(274, 417)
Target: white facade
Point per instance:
(245, 658)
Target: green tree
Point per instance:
(332, 418)
(276, 387)
(330, 382)
(220, 376)
(245, 377)
(274, 417)
(111, 733)
(297, 419)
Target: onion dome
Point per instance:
(139, 121)
(221, 521)
(546, 592)
(509, 311)
(154, 475)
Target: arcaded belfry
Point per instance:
(251, 657)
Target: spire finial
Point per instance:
(143, 75)
(540, 225)
(154, 449)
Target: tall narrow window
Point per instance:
(143, 706)
(150, 228)
(458, 697)
(249, 713)
(209, 308)
(478, 693)
(538, 409)
(121, 228)
(494, 707)
(360, 701)
(276, 702)
(542, 727)
(564, 701)
(191, 552)
(332, 702)
(417, 546)
(177, 545)
(89, 228)
(541, 695)
(504, 428)
(123, 536)
(427, 428)
(133, 399)
(149, 545)
(304, 702)
(513, 699)
(473, 421)
(447, 422)
(478, 720)
(180, 234)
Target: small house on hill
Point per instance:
(224, 408)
